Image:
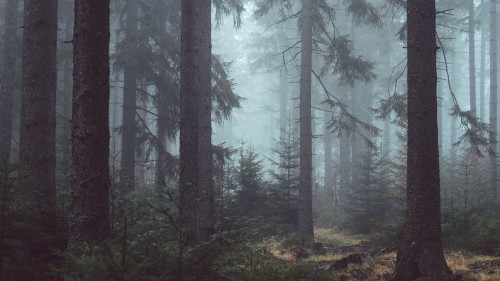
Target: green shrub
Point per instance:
(486, 235)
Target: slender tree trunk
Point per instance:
(440, 117)
(472, 58)
(161, 123)
(67, 96)
(344, 157)
(305, 223)
(38, 122)
(283, 113)
(8, 79)
(482, 82)
(328, 145)
(453, 120)
(129, 98)
(421, 253)
(387, 137)
(89, 217)
(355, 141)
(196, 184)
(493, 98)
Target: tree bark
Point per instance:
(89, 217)
(38, 122)
(129, 98)
(305, 223)
(420, 253)
(67, 95)
(8, 79)
(493, 98)
(196, 184)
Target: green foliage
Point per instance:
(370, 204)
(248, 202)
(485, 235)
(469, 215)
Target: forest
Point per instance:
(249, 140)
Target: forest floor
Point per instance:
(356, 258)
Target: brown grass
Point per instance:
(337, 238)
(380, 267)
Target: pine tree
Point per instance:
(305, 221)
(493, 98)
(8, 79)
(38, 120)
(129, 97)
(420, 253)
(195, 182)
(89, 217)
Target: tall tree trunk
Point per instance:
(196, 184)
(67, 95)
(283, 114)
(328, 145)
(440, 96)
(89, 217)
(355, 141)
(421, 253)
(482, 82)
(344, 157)
(161, 123)
(38, 122)
(472, 58)
(8, 79)
(493, 98)
(129, 98)
(453, 120)
(387, 137)
(305, 223)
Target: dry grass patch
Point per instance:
(274, 247)
(329, 257)
(478, 267)
(337, 238)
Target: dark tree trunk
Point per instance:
(420, 253)
(38, 122)
(493, 98)
(67, 94)
(129, 98)
(89, 217)
(196, 184)
(8, 79)
(440, 95)
(305, 222)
